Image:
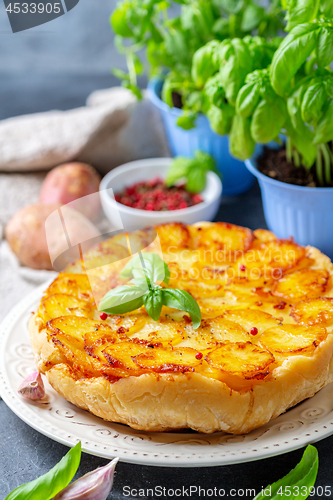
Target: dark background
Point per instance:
(57, 65)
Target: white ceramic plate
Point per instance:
(310, 421)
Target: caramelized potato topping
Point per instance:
(293, 338)
(242, 359)
(314, 312)
(260, 297)
(308, 283)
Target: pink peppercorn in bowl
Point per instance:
(144, 171)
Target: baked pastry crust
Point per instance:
(208, 397)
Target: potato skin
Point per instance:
(26, 236)
(70, 182)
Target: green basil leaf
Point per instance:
(122, 299)
(147, 264)
(313, 102)
(224, 51)
(247, 99)
(292, 53)
(179, 299)
(324, 48)
(301, 11)
(214, 91)
(303, 475)
(204, 63)
(326, 7)
(177, 47)
(324, 130)
(51, 483)
(221, 28)
(198, 20)
(234, 71)
(187, 121)
(196, 180)
(268, 120)
(220, 118)
(157, 57)
(252, 17)
(204, 161)
(122, 75)
(294, 105)
(153, 302)
(119, 22)
(230, 6)
(134, 88)
(139, 282)
(240, 140)
(178, 169)
(155, 33)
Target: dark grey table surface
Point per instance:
(26, 454)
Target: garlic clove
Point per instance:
(96, 485)
(32, 387)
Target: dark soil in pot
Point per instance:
(274, 164)
(177, 100)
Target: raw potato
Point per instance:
(26, 234)
(70, 182)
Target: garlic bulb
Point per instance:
(96, 485)
(32, 387)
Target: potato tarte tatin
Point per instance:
(265, 341)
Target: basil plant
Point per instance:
(294, 94)
(171, 31)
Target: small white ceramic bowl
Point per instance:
(145, 170)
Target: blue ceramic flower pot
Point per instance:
(305, 213)
(235, 177)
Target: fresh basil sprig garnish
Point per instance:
(146, 270)
(298, 483)
(148, 265)
(48, 485)
(194, 170)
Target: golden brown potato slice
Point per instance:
(253, 321)
(211, 306)
(72, 284)
(179, 359)
(222, 330)
(263, 235)
(128, 324)
(164, 331)
(78, 359)
(77, 327)
(222, 242)
(265, 263)
(242, 359)
(173, 236)
(305, 284)
(314, 312)
(120, 355)
(293, 339)
(61, 304)
(282, 254)
(100, 255)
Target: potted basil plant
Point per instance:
(179, 41)
(294, 97)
